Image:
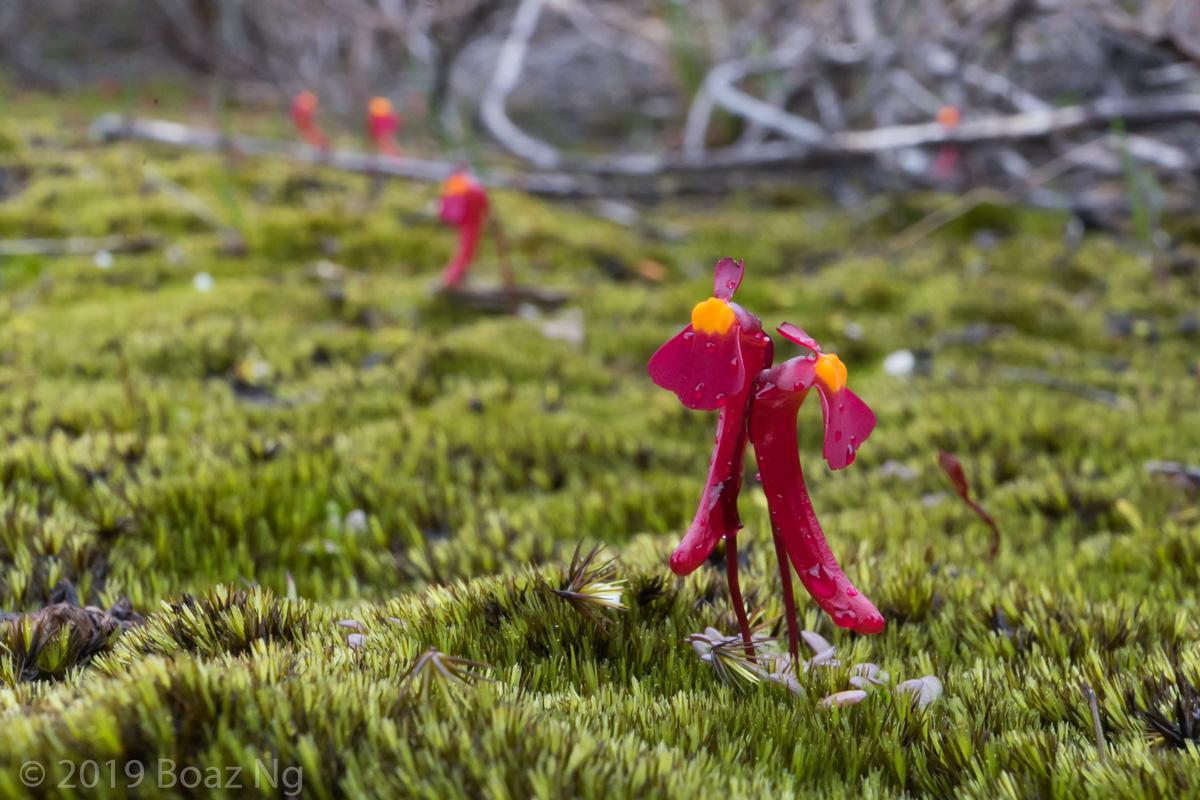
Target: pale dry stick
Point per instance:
(964, 203)
(1023, 125)
(579, 177)
(1000, 86)
(720, 89)
(77, 246)
(193, 204)
(599, 32)
(1184, 472)
(114, 127)
(505, 75)
(1097, 724)
(1051, 381)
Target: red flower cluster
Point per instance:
(723, 360)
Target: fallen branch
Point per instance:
(1183, 473)
(1037, 376)
(1097, 723)
(114, 127)
(720, 88)
(627, 174)
(492, 109)
(76, 246)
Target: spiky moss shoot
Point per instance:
(427, 473)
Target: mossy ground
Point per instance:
(195, 452)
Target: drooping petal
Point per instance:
(453, 209)
(715, 516)
(468, 242)
(848, 423)
(464, 201)
(703, 369)
(727, 277)
(773, 431)
(717, 512)
(794, 333)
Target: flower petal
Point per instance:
(794, 333)
(716, 515)
(773, 431)
(848, 423)
(727, 277)
(702, 369)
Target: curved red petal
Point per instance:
(794, 333)
(453, 210)
(773, 431)
(727, 277)
(703, 370)
(711, 522)
(717, 513)
(848, 423)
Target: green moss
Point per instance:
(308, 445)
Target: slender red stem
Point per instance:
(735, 594)
(789, 603)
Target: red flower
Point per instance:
(465, 206)
(722, 360)
(848, 423)
(304, 110)
(712, 364)
(382, 125)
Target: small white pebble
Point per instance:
(203, 282)
(816, 641)
(103, 259)
(900, 364)
(926, 690)
(849, 697)
(864, 675)
(356, 521)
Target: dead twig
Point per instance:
(76, 246)
(492, 108)
(1184, 473)
(1041, 378)
(1097, 724)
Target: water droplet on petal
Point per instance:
(819, 582)
(688, 336)
(758, 477)
(733, 364)
(710, 347)
(845, 618)
(698, 392)
(720, 398)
